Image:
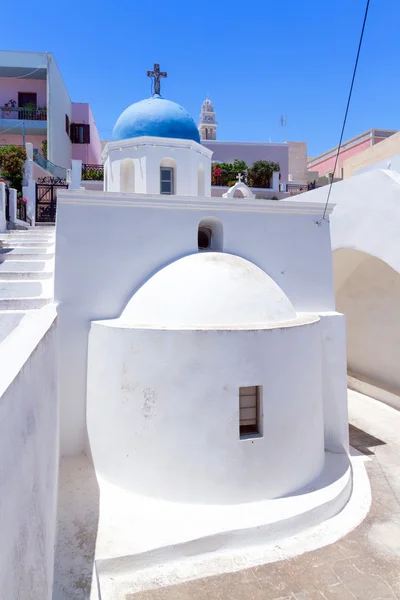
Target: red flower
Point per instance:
(217, 172)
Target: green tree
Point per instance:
(260, 174)
(12, 159)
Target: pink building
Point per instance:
(324, 163)
(35, 107)
(86, 143)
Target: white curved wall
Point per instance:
(163, 411)
(368, 293)
(148, 153)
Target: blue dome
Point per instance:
(156, 117)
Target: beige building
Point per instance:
(384, 151)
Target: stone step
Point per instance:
(25, 250)
(23, 303)
(26, 243)
(24, 265)
(6, 257)
(23, 288)
(25, 275)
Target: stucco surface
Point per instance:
(28, 458)
(368, 292)
(120, 241)
(208, 289)
(366, 216)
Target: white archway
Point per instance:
(367, 291)
(241, 188)
(127, 175)
(210, 234)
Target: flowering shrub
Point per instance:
(12, 159)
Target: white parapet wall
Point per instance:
(3, 222)
(29, 457)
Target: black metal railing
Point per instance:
(295, 188)
(23, 113)
(7, 203)
(21, 209)
(92, 172)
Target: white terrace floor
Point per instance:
(365, 564)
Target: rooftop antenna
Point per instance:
(283, 122)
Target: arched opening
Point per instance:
(168, 178)
(210, 235)
(201, 185)
(367, 292)
(239, 194)
(127, 175)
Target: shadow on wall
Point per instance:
(367, 291)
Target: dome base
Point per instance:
(172, 542)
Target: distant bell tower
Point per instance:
(207, 125)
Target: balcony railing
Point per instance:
(47, 165)
(295, 188)
(23, 113)
(92, 172)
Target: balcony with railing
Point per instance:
(298, 188)
(92, 172)
(23, 119)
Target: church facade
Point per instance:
(201, 361)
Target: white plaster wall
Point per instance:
(59, 147)
(334, 381)
(3, 222)
(28, 458)
(170, 428)
(108, 246)
(147, 154)
(369, 294)
(365, 231)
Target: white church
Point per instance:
(195, 366)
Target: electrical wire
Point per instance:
(347, 109)
(9, 129)
(27, 75)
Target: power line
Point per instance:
(347, 109)
(27, 74)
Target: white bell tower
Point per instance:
(207, 125)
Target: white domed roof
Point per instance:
(208, 289)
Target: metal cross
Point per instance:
(156, 75)
(239, 177)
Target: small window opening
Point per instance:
(204, 238)
(166, 180)
(250, 411)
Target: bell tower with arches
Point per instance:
(207, 125)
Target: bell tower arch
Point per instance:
(207, 125)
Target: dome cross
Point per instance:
(156, 75)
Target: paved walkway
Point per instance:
(363, 565)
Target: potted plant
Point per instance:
(30, 110)
(9, 106)
(42, 113)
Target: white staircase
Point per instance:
(26, 269)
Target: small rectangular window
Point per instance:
(67, 125)
(250, 409)
(166, 180)
(80, 133)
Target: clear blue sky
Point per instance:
(256, 59)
